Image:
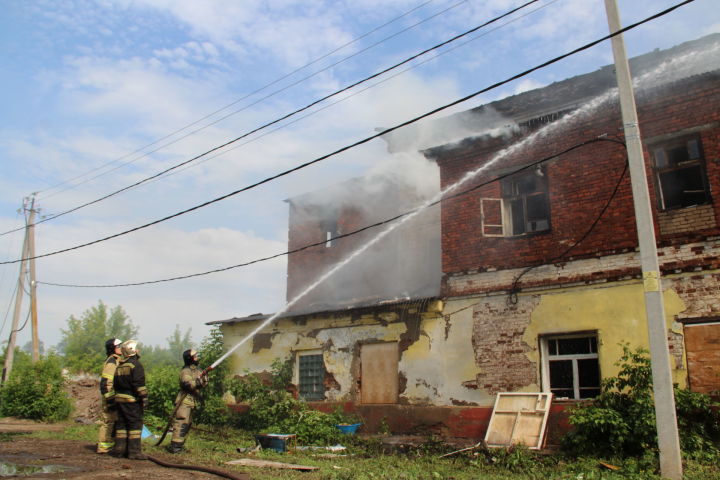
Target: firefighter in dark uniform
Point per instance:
(108, 413)
(192, 380)
(131, 400)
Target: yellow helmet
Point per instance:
(129, 348)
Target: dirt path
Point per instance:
(78, 460)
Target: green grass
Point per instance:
(365, 460)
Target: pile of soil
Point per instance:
(85, 392)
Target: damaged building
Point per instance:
(527, 276)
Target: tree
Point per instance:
(170, 356)
(83, 343)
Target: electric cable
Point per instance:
(512, 295)
(348, 234)
(366, 139)
(27, 317)
(280, 119)
(379, 82)
(7, 312)
(209, 115)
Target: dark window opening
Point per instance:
(680, 173)
(527, 202)
(573, 367)
(311, 377)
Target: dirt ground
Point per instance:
(78, 460)
(25, 457)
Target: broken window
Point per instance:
(525, 203)
(311, 376)
(571, 368)
(680, 173)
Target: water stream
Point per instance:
(669, 70)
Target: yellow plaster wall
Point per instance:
(617, 313)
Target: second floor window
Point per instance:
(525, 202)
(680, 173)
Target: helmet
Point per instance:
(129, 348)
(111, 344)
(190, 357)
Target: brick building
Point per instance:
(537, 281)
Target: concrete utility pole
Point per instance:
(33, 284)
(668, 440)
(10, 352)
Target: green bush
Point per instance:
(163, 385)
(35, 391)
(274, 410)
(621, 420)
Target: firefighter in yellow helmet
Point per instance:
(108, 413)
(192, 380)
(131, 397)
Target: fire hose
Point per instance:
(177, 407)
(214, 471)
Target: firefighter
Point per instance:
(192, 380)
(131, 398)
(108, 414)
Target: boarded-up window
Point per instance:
(379, 370)
(702, 345)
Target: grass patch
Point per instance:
(366, 460)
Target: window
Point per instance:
(330, 229)
(680, 173)
(311, 376)
(525, 203)
(570, 367)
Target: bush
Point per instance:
(621, 420)
(274, 410)
(35, 391)
(163, 385)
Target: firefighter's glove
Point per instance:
(204, 379)
(145, 403)
(111, 404)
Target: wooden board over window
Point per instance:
(702, 345)
(519, 418)
(379, 368)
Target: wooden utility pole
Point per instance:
(10, 352)
(33, 284)
(666, 421)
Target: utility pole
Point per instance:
(10, 352)
(666, 421)
(33, 284)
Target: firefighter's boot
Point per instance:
(135, 450)
(175, 447)
(120, 448)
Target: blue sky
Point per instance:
(85, 83)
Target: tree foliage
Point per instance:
(621, 420)
(170, 356)
(35, 391)
(83, 342)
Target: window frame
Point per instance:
(297, 374)
(511, 195)
(658, 171)
(546, 358)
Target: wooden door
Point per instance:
(379, 370)
(702, 346)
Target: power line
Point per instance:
(357, 231)
(285, 117)
(283, 77)
(366, 139)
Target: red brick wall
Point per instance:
(579, 183)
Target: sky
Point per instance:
(98, 95)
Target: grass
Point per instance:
(365, 460)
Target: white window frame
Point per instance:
(546, 358)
